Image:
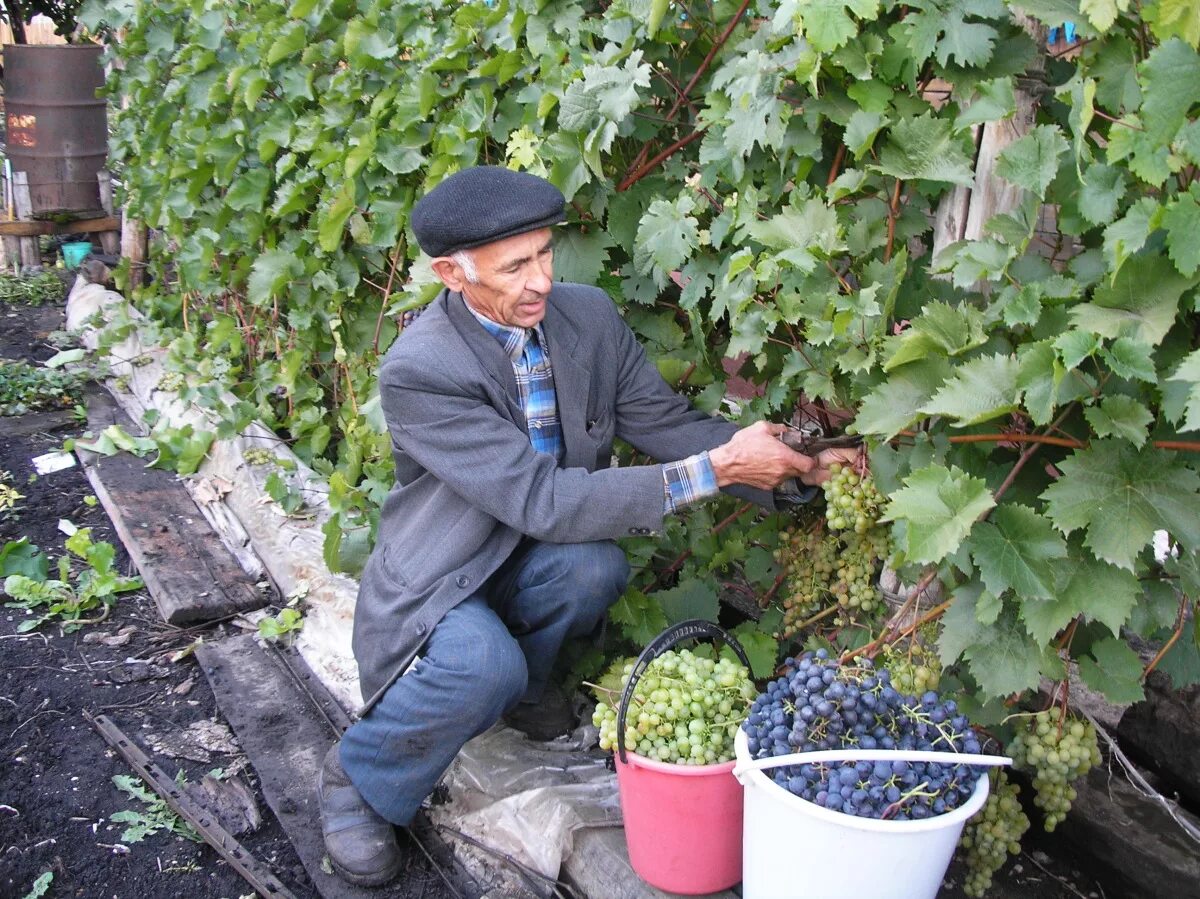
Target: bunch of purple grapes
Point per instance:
(820, 704)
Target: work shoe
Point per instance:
(361, 843)
(544, 720)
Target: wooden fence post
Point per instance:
(31, 253)
(110, 241)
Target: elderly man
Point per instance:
(496, 543)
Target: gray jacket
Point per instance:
(469, 483)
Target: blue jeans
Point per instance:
(490, 652)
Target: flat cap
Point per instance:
(483, 204)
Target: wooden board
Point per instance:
(188, 571)
(82, 226)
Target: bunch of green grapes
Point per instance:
(914, 668)
(685, 709)
(852, 501)
(993, 834)
(1056, 750)
(256, 455)
(858, 562)
(809, 557)
(170, 381)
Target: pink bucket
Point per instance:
(683, 823)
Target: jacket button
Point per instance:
(420, 628)
(462, 580)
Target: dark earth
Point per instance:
(57, 796)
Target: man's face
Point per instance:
(515, 277)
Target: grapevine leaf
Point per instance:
(1014, 550)
(1131, 360)
(1075, 346)
(1086, 586)
(1171, 81)
(333, 225)
(1003, 659)
(1128, 234)
(1102, 189)
(1182, 661)
(960, 624)
(751, 81)
(578, 256)
(761, 649)
(692, 598)
(1121, 496)
(893, 405)
(938, 505)
(291, 42)
(988, 608)
(861, 131)
(1120, 416)
(1188, 372)
(1038, 379)
(1174, 18)
(270, 273)
(249, 192)
(942, 29)
(603, 94)
(801, 232)
(981, 389)
(666, 236)
(1024, 306)
(924, 148)
(996, 100)
(364, 42)
(1032, 161)
(941, 329)
(1102, 13)
(1181, 219)
(827, 24)
(1113, 669)
(1148, 157)
(1140, 304)
(640, 617)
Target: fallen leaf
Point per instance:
(184, 688)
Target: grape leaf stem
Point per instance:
(1180, 621)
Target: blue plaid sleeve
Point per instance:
(688, 481)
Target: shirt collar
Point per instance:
(512, 338)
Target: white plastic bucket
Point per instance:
(794, 849)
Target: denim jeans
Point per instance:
(490, 652)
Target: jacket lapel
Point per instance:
(488, 352)
(571, 382)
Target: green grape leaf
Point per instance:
(1128, 234)
(333, 223)
(271, 271)
(861, 131)
(1015, 550)
(1182, 661)
(1121, 496)
(941, 329)
(364, 42)
(827, 23)
(578, 256)
(1188, 372)
(1131, 360)
(941, 29)
(639, 617)
(667, 235)
(938, 506)
(1171, 82)
(801, 232)
(1174, 18)
(1101, 192)
(1140, 304)
(1102, 13)
(249, 192)
(961, 626)
(751, 82)
(1113, 669)
(1038, 379)
(995, 100)
(691, 598)
(1032, 161)
(981, 389)
(924, 148)
(292, 41)
(1120, 416)
(1086, 586)
(1181, 220)
(895, 403)
(603, 94)
(761, 649)
(1003, 659)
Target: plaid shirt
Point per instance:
(684, 482)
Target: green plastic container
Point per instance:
(75, 252)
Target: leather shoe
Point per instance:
(544, 720)
(360, 842)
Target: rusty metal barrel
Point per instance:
(57, 128)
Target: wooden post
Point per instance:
(133, 247)
(110, 241)
(31, 253)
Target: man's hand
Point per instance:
(819, 473)
(755, 456)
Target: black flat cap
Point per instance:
(483, 204)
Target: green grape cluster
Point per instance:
(915, 668)
(685, 709)
(810, 559)
(1056, 750)
(256, 455)
(171, 381)
(852, 501)
(858, 562)
(993, 834)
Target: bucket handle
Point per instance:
(684, 630)
(867, 755)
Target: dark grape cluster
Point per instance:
(992, 834)
(820, 704)
(1056, 750)
(409, 316)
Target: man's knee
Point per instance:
(499, 679)
(604, 571)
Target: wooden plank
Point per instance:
(285, 739)
(79, 226)
(31, 253)
(188, 571)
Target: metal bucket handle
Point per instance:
(684, 630)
